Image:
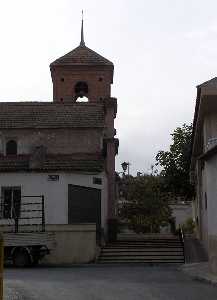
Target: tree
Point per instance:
(175, 164)
(145, 208)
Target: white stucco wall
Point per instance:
(211, 172)
(211, 179)
(209, 129)
(181, 212)
(55, 192)
(204, 210)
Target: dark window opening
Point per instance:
(62, 79)
(11, 147)
(97, 180)
(81, 89)
(11, 201)
(100, 79)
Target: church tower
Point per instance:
(83, 73)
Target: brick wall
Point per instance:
(64, 141)
(64, 81)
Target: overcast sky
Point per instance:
(161, 50)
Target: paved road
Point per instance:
(105, 283)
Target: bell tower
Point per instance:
(81, 73)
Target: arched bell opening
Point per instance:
(81, 91)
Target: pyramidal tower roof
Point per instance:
(82, 55)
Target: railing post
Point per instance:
(16, 220)
(1, 265)
(182, 239)
(42, 214)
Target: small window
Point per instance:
(97, 180)
(11, 201)
(11, 147)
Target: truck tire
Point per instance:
(35, 261)
(21, 258)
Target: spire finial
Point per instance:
(82, 43)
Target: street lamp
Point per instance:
(126, 165)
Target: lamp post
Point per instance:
(126, 166)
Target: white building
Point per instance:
(204, 167)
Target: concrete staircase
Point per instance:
(150, 249)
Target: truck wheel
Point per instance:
(21, 258)
(35, 261)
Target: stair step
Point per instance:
(147, 241)
(142, 262)
(145, 251)
(149, 250)
(146, 245)
(149, 261)
(133, 236)
(150, 256)
(141, 254)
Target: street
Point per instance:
(104, 283)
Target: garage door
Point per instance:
(84, 205)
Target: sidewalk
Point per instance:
(200, 271)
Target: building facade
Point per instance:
(64, 150)
(204, 167)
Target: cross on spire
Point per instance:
(82, 43)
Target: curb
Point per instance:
(201, 278)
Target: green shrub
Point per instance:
(189, 226)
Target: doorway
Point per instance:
(84, 206)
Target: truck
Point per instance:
(22, 225)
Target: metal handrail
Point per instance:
(182, 239)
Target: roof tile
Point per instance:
(52, 163)
(51, 115)
(82, 55)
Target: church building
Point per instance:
(64, 150)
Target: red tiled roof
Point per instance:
(52, 163)
(14, 163)
(82, 55)
(51, 115)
